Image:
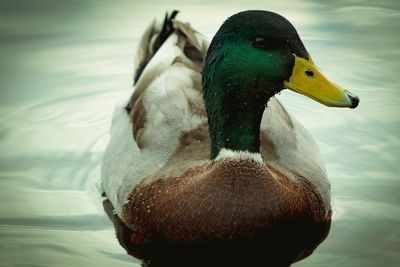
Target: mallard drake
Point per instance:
(202, 155)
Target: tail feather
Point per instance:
(192, 49)
(166, 31)
(151, 41)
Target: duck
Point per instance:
(204, 162)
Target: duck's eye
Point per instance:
(260, 42)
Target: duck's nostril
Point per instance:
(309, 73)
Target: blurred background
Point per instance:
(63, 64)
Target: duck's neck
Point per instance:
(234, 118)
(236, 130)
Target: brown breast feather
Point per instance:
(220, 201)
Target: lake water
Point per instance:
(63, 64)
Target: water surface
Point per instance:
(63, 64)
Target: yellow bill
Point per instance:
(306, 79)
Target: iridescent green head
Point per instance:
(254, 55)
(254, 45)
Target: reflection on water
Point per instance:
(63, 65)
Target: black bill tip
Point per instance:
(353, 98)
